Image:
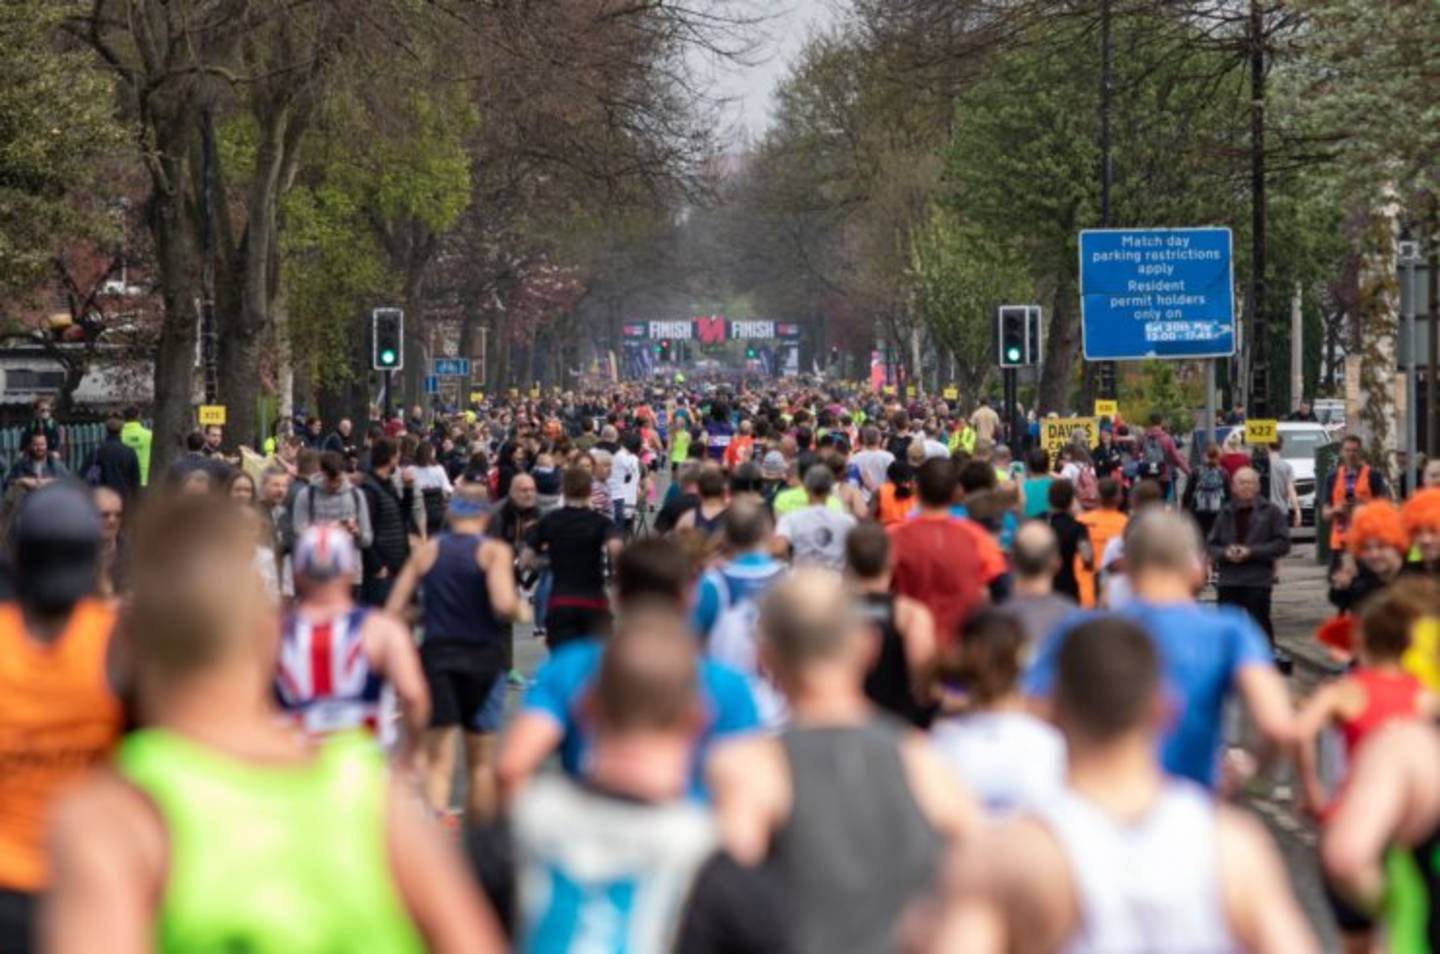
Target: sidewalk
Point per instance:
(1300, 605)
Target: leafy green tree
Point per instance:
(1371, 93)
(56, 119)
(960, 276)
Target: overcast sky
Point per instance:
(785, 34)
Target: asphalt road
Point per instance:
(1300, 604)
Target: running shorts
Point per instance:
(461, 675)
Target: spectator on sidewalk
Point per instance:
(1249, 536)
(35, 468)
(44, 423)
(1282, 482)
(137, 437)
(113, 464)
(1349, 487)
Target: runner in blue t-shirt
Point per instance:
(559, 689)
(1206, 652)
(552, 717)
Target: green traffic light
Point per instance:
(1012, 354)
(387, 356)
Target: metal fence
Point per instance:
(80, 441)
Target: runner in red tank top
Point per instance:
(1375, 693)
(1359, 705)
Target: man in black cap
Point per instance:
(58, 715)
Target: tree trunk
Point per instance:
(176, 249)
(246, 317)
(1061, 350)
(1089, 387)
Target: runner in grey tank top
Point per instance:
(856, 851)
(847, 809)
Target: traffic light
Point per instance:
(1105, 381)
(1018, 335)
(750, 353)
(387, 331)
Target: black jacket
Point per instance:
(1365, 584)
(337, 442)
(114, 465)
(1268, 540)
(390, 523)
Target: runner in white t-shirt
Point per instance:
(815, 535)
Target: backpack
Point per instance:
(1209, 489)
(733, 641)
(1152, 457)
(1087, 487)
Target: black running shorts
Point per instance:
(460, 674)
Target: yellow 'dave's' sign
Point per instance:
(1056, 432)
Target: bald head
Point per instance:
(807, 618)
(747, 525)
(1245, 485)
(647, 676)
(1036, 552)
(1163, 542)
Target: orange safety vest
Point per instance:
(1103, 526)
(892, 510)
(1337, 500)
(58, 718)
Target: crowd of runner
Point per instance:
(825, 672)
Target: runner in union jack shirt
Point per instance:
(336, 657)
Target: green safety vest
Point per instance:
(792, 499)
(272, 859)
(136, 436)
(963, 439)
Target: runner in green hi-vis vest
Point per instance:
(222, 829)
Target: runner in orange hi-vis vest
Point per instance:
(58, 715)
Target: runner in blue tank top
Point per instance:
(466, 583)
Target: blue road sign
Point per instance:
(452, 367)
(1157, 293)
(432, 384)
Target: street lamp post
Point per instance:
(1409, 257)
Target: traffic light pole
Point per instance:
(1010, 400)
(1108, 386)
(386, 404)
